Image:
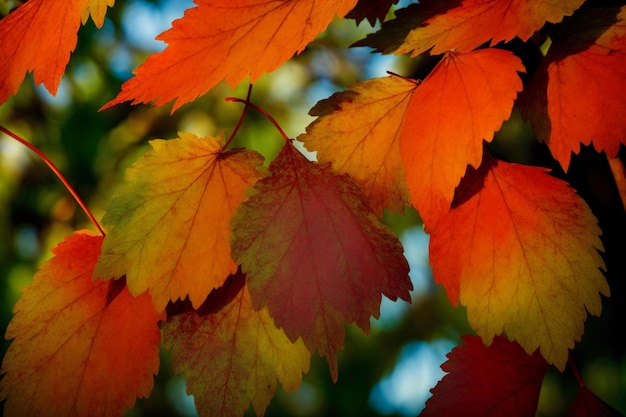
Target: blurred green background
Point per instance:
(388, 372)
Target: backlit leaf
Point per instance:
(499, 380)
(315, 254)
(357, 131)
(234, 355)
(228, 41)
(171, 233)
(97, 9)
(464, 25)
(462, 102)
(586, 404)
(38, 37)
(371, 10)
(520, 250)
(577, 94)
(77, 351)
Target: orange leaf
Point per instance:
(171, 232)
(244, 38)
(588, 61)
(357, 131)
(315, 254)
(499, 380)
(462, 102)
(520, 250)
(38, 37)
(77, 351)
(465, 25)
(233, 356)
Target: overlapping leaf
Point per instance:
(228, 41)
(520, 250)
(170, 223)
(371, 10)
(79, 349)
(494, 381)
(38, 37)
(315, 254)
(462, 102)
(233, 355)
(357, 131)
(588, 60)
(464, 25)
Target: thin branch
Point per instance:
(58, 173)
(264, 113)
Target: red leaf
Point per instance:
(315, 254)
(495, 381)
(588, 404)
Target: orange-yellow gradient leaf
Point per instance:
(577, 94)
(81, 347)
(462, 102)
(520, 250)
(463, 26)
(227, 40)
(234, 355)
(39, 37)
(357, 131)
(96, 9)
(170, 223)
(315, 254)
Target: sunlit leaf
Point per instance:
(357, 131)
(244, 38)
(461, 103)
(520, 250)
(233, 355)
(464, 25)
(315, 254)
(78, 349)
(170, 223)
(577, 95)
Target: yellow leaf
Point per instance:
(171, 230)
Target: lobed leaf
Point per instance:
(244, 38)
(462, 102)
(494, 381)
(463, 25)
(520, 250)
(170, 223)
(371, 10)
(357, 132)
(233, 356)
(315, 254)
(588, 60)
(78, 349)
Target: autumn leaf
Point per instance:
(494, 381)
(76, 350)
(315, 254)
(586, 403)
(234, 355)
(357, 131)
(38, 37)
(520, 250)
(96, 9)
(588, 60)
(170, 223)
(462, 102)
(371, 10)
(464, 25)
(245, 38)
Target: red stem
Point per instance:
(243, 114)
(572, 366)
(58, 173)
(264, 113)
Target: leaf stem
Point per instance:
(264, 113)
(58, 173)
(243, 114)
(572, 366)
